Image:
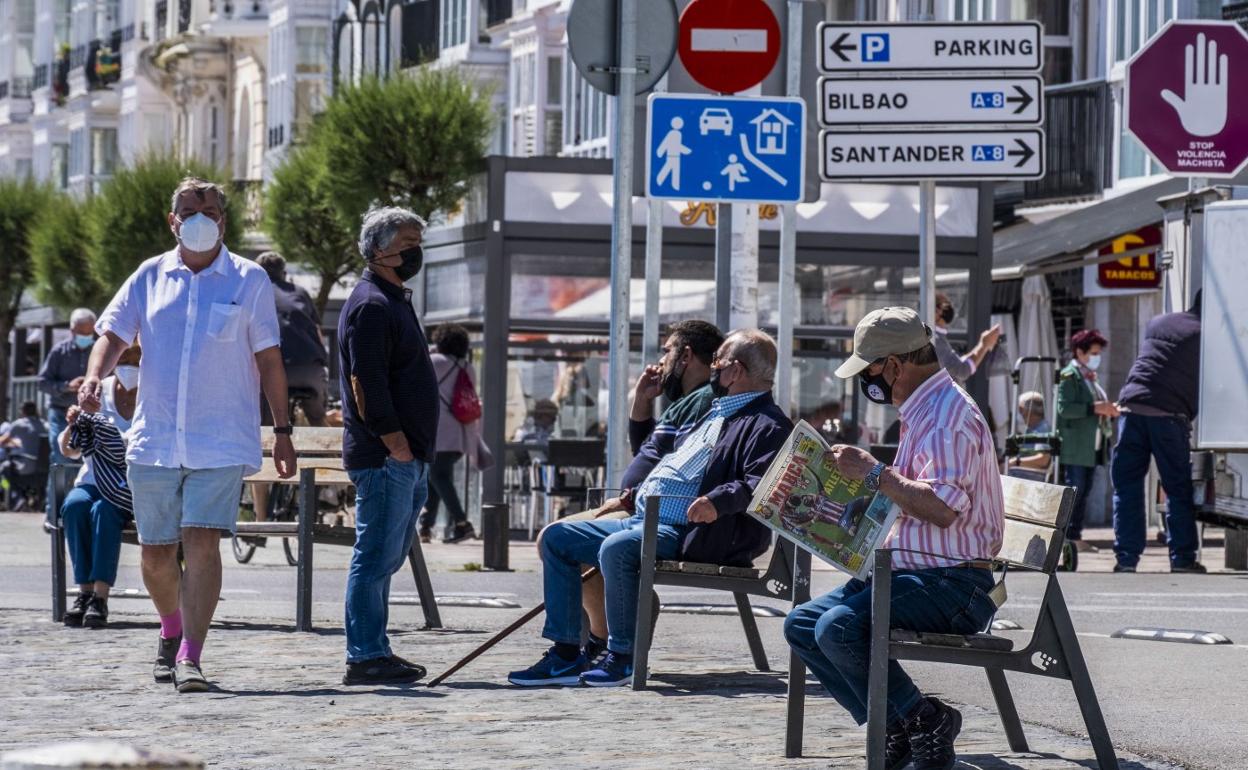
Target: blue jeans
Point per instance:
(387, 501)
(1165, 439)
(1079, 477)
(614, 545)
(93, 533)
(832, 634)
(56, 424)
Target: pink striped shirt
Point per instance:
(945, 442)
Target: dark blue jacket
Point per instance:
(66, 362)
(1166, 376)
(386, 376)
(747, 444)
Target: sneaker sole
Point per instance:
(75, 623)
(192, 685)
(89, 623)
(573, 680)
(348, 682)
(627, 680)
(163, 678)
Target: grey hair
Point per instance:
(198, 186)
(756, 350)
(381, 224)
(1031, 402)
(80, 315)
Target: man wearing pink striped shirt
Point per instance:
(947, 484)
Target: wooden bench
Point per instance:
(319, 452)
(1036, 516)
(777, 581)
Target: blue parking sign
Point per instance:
(725, 148)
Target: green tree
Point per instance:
(20, 204)
(60, 243)
(127, 218)
(412, 141)
(299, 215)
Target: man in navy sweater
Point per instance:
(1158, 403)
(705, 483)
(390, 424)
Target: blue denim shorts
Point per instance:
(168, 499)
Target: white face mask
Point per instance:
(198, 233)
(1094, 361)
(127, 376)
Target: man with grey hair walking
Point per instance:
(390, 423)
(63, 371)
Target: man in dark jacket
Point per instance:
(1158, 403)
(716, 466)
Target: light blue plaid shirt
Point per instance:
(678, 475)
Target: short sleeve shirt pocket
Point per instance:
(223, 321)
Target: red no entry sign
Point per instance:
(728, 45)
(1185, 98)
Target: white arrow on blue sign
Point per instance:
(723, 148)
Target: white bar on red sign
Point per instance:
(738, 40)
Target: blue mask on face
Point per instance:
(84, 340)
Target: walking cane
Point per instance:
(501, 635)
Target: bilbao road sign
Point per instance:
(988, 46)
(969, 154)
(927, 100)
(1185, 98)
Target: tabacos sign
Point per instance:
(1131, 272)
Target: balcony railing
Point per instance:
(1079, 121)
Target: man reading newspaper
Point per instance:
(946, 482)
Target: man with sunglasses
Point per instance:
(946, 482)
(390, 423)
(705, 484)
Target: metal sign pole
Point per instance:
(723, 266)
(927, 251)
(786, 280)
(621, 246)
(654, 269)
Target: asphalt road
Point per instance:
(1182, 703)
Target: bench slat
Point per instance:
(331, 475)
(1030, 546)
(972, 641)
(1035, 501)
(698, 568)
(324, 441)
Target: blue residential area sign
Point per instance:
(723, 148)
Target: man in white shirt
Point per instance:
(210, 335)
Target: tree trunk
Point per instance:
(7, 319)
(322, 294)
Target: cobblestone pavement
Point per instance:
(280, 704)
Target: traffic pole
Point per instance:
(786, 280)
(654, 269)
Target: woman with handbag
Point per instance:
(459, 433)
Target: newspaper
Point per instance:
(807, 500)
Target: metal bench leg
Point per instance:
(1005, 707)
(645, 594)
(59, 580)
(795, 716)
(877, 666)
(1098, 733)
(303, 576)
(751, 632)
(424, 586)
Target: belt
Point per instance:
(975, 565)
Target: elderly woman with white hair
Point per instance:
(390, 424)
(63, 370)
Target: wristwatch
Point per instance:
(285, 430)
(872, 481)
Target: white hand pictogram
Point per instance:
(1202, 108)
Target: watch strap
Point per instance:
(285, 430)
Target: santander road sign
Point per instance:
(1185, 98)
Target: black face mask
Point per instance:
(413, 259)
(718, 389)
(876, 388)
(673, 388)
(946, 314)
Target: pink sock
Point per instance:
(171, 625)
(190, 650)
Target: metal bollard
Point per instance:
(496, 532)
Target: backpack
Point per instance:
(464, 405)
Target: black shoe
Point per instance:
(188, 677)
(897, 747)
(1195, 568)
(97, 613)
(461, 532)
(388, 670)
(74, 615)
(1123, 568)
(166, 651)
(932, 732)
(426, 536)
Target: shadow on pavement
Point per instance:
(727, 684)
(416, 690)
(991, 762)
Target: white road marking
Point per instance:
(1133, 608)
(734, 40)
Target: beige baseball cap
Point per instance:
(889, 331)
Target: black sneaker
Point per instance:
(1123, 568)
(188, 677)
(897, 747)
(97, 613)
(1195, 568)
(461, 532)
(932, 732)
(74, 615)
(166, 651)
(388, 670)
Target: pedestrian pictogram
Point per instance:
(710, 148)
(728, 45)
(1179, 101)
